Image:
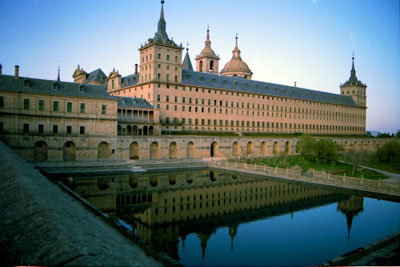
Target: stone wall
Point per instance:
(87, 148)
(42, 225)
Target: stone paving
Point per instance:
(42, 225)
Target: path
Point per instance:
(394, 177)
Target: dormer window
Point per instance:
(201, 78)
(256, 86)
(236, 83)
(213, 80)
(245, 85)
(82, 87)
(26, 83)
(55, 86)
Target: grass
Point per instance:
(372, 161)
(338, 168)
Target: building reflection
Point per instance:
(164, 208)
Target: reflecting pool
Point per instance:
(208, 217)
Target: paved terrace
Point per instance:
(387, 188)
(42, 225)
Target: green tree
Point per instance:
(325, 151)
(390, 153)
(355, 158)
(306, 146)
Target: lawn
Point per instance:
(338, 168)
(373, 162)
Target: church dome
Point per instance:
(236, 67)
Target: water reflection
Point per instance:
(165, 208)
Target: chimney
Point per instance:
(16, 74)
(295, 84)
(136, 69)
(1, 69)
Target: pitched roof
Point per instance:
(194, 78)
(133, 102)
(97, 76)
(187, 64)
(130, 80)
(51, 87)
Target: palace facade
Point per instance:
(207, 99)
(99, 116)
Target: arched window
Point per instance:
(201, 66)
(211, 65)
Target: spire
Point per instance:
(208, 42)
(353, 70)
(58, 75)
(353, 80)
(236, 50)
(161, 30)
(187, 64)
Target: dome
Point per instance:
(207, 50)
(236, 67)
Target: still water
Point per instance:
(206, 217)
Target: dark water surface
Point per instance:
(208, 217)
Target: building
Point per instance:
(204, 99)
(129, 117)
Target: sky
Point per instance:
(283, 41)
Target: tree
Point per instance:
(390, 153)
(398, 134)
(306, 146)
(325, 151)
(355, 158)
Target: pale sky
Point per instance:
(282, 41)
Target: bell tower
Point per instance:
(207, 61)
(355, 88)
(160, 57)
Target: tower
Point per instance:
(236, 67)
(160, 57)
(355, 88)
(207, 61)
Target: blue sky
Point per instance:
(282, 41)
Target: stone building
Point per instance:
(229, 101)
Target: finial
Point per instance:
(162, 2)
(58, 75)
(79, 67)
(208, 27)
(187, 46)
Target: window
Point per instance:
(55, 129)
(26, 128)
(112, 84)
(41, 104)
(55, 106)
(183, 99)
(176, 58)
(168, 57)
(69, 107)
(158, 97)
(69, 129)
(158, 76)
(167, 77)
(167, 99)
(103, 109)
(176, 99)
(159, 56)
(82, 130)
(1, 101)
(82, 107)
(40, 128)
(1, 126)
(167, 107)
(26, 103)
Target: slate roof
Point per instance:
(201, 79)
(51, 87)
(96, 76)
(133, 102)
(187, 64)
(130, 80)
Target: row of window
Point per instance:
(149, 57)
(55, 108)
(258, 124)
(55, 129)
(260, 107)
